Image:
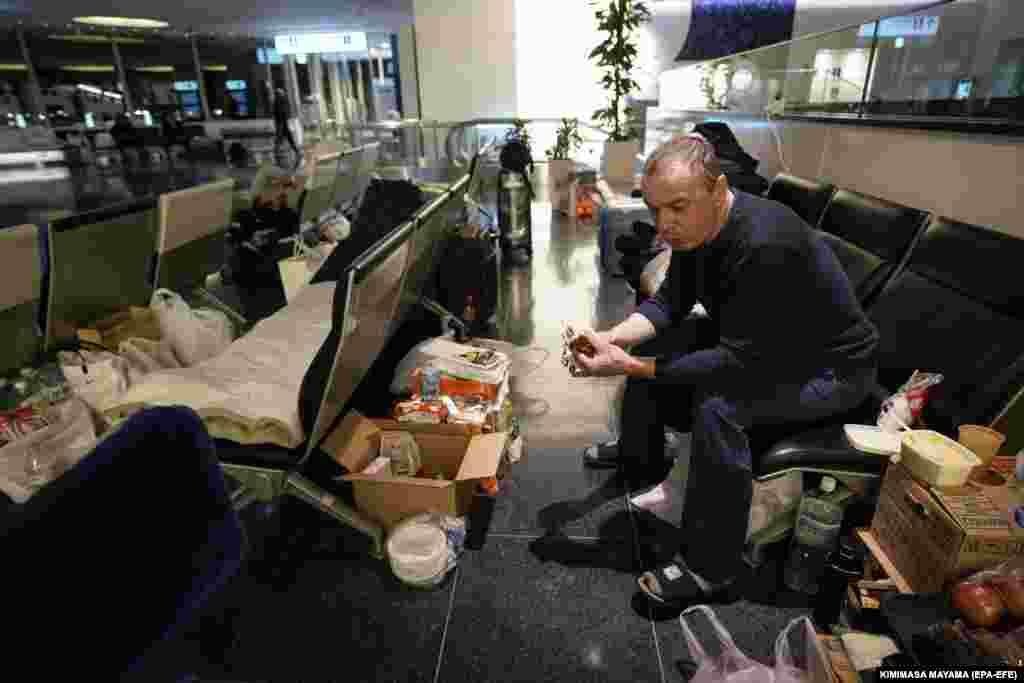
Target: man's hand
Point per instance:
(607, 360)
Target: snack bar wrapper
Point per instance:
(908, 403)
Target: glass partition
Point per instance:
(234, 79)
(161, 79)
(955, 62)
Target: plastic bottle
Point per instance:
(846, 564)
(817, 528)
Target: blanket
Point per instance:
(249, 393)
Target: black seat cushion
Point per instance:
(957, 310)
(952, 310)
(876, 225)
(808, 198)
(867, 272)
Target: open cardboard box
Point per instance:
(461, 457)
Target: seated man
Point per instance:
(792, 344)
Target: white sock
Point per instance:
(660, 496)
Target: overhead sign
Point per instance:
(186, 86)
(268, 55)
(902, 27)
(316, 43)
(235, 85)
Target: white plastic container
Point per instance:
(418, 552)
(936, 459)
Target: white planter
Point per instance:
(620, 160)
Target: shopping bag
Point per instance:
(815, 662)
(36, 459)
(731, 665)
(195, 334)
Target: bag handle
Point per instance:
(691, 639)
(785, 664)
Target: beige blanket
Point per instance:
(248, 394)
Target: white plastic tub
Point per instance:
(936, 459)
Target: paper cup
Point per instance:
(982, 441)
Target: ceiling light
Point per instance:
(215, 67)
(89, 38)
(121, 22)
(13, 67)
(154, 69)
(89, 68)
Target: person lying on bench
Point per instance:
(790, 343)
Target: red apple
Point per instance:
(978, 603)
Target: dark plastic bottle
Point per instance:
(844, 565)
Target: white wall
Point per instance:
(467, 59)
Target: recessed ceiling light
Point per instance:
(13, 67)
(89, 68)
(215, 67)
(155, 69)
(89, 38)
(121, 22)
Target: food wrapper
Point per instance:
(449, 385)
(908, 403)
(19, 423)
(402, 452)
(421, 411)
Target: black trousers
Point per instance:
(719, 487)
(283, 131)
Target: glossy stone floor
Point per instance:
(40, 195)
(552, 595)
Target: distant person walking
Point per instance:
(282, 117)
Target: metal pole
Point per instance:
(340, 111)
(35, 93)
(199, 79)
(871, 65)
(316, 86)
(122, 77)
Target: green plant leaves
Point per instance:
(616, 54)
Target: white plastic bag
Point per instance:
(786, 668)
(731, 665)
(40, 457)
(195, 335)
(96, 377)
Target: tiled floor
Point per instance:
(551, 597)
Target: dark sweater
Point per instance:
(783, 305)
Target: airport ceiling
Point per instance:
(260, 18)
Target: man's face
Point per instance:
(687, 210)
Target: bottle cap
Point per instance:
(828, 484)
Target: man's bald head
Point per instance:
(692, 151)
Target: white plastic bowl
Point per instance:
(936, 459)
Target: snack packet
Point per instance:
(908, 403)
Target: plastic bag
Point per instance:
(96, 377)
(786, 668)
(908, 403)
(195, 335)
(41, 456)
(731, 665)
(424, 548)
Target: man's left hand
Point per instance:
(608, 360)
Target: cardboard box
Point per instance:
(937, 535)
(461, 457)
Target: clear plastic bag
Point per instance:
(731, 665)
(38, 458)
(787, 669)
(195, 334)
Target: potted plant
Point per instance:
(560, 163)
(616, 55)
